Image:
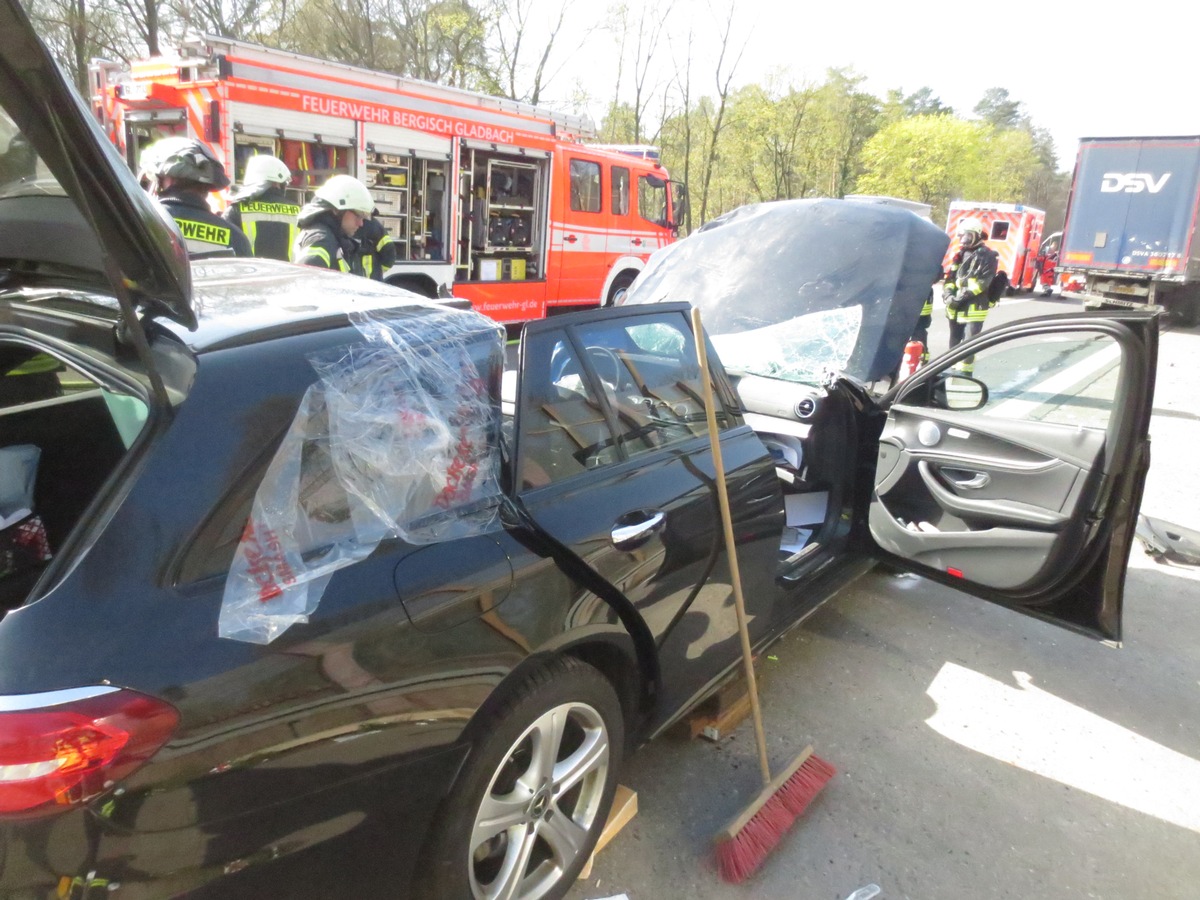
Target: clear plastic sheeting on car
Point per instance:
(809, 349)
(397, 438)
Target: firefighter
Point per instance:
(181, 173)
(329, 223)
(378, 247)
(262, 208)
(967, 286)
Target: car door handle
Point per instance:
(635, 528)
(996, 511)
(975, 482)
(570, 239)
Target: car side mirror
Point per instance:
(960, 393)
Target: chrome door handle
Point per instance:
(979, 480)
(631, 535)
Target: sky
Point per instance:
(1081, 69)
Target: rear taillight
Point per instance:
(61, 749)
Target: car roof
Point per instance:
(244, 301)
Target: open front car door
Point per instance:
(1021, 482)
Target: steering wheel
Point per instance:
(602, 356)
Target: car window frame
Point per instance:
(723, 392)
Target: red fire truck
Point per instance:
(501, 202)
(1013, 231)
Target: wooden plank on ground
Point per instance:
(624, 808)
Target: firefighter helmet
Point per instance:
(265, 169)
(185, 159)
(344, 192)
(970, 231)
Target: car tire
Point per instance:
(620, 287)
(554, 812)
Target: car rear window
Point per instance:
(64, 433)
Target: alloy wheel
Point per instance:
(540, 805)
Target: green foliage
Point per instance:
(898, 105)
(932, 159)
(936, 159)
(998, 110)
(733, 145)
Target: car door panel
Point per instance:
(644, 516)
(1026, 500)
(1031, 480)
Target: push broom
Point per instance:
(743, 844)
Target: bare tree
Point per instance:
(77, 31)
(724, 80)
(514, 39)
(651, 23)
(238, 19)
(146, 17)
(683, 83)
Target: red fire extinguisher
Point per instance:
(912, 358)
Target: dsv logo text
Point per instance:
(1132, 183)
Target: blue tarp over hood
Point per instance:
(771, 263)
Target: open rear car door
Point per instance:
(1021, 483)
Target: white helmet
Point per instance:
(970, 230)
(346, 192)
(264, 169)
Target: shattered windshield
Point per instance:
(807, 349)
(22, 171)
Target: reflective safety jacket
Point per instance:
(322, 243)
(977, 270)
(204, 232)
(378, 248)
(974, 277)
(268, 218)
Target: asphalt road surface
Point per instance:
(982, 754)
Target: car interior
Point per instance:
(652, 398)
(64, 434)
(811, 432)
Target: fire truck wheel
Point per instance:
(620, 286)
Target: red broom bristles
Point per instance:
(739, 855)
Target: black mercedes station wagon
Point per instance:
(309, 589)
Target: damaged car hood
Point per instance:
(797, 288)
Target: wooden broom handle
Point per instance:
(735, 574)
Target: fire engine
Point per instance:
(498, 202)
(1013, 231)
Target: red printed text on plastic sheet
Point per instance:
(265, 561)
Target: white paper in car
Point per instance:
(806, 509)
(765, 426)
(794, 539)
